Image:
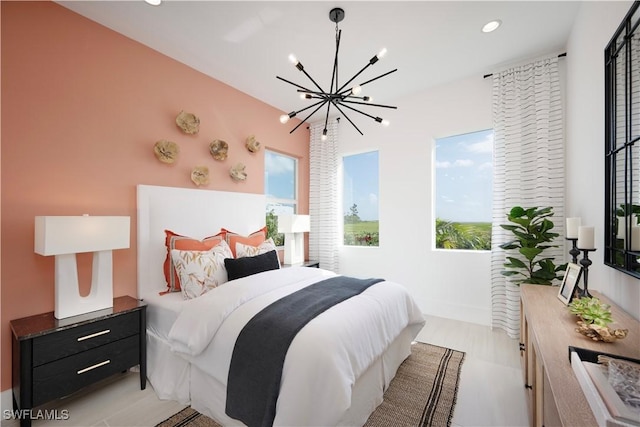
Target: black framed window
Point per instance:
(622, 146)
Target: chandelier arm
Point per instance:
(369, 103)
(311, 114)
(326, 118)
(296, 85)
(312, 105)
(358, 111)
(347, 117)
(369, 81)
(353, 78)
(313, 81)
(311, 92)
(334, 75)
(379, 77)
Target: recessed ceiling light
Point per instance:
(491, 26)
(153, 2)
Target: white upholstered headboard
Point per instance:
(190, 212)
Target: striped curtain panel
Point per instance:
(323, 196)
(528, 168)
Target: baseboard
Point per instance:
(6, 400)
(464, 313)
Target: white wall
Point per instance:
(593, 28)
(456, 285)
(452, 284)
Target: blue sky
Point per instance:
(360, 173)
(464, 177)
(279, 178)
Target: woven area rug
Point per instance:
(423, 393)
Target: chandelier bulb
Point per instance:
(284, 118)
(324, 135)
(384, 123)
(380, 55)
(356, 90)
(295, 62)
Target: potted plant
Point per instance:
(595, 317)
(531, 228)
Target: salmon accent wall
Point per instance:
(82, 107)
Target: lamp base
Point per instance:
(68, 301)
(293, 248)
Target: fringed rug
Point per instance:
(423, 393)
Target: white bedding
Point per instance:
(162, 312)
(326, 357)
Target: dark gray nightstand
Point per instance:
(56, 357)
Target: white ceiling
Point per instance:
(246, 44)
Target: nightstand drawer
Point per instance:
(67, 375)
(75, 340)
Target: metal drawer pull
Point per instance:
(97, 365)
(97, 334)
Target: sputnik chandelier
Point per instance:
(340, 97)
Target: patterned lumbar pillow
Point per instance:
(201, 271)
(243, 250)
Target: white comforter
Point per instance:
(325, 358)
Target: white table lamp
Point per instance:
(293, 227)
(64, 237)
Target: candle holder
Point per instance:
(574, 252)
(585, 262)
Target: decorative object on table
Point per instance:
(531, 228)
(166, 151)
(219, 149)
(569, 283)
(586, 244)
(572, 235)
(344, 96)
(252, 145)
(293, 227)
(238, 172)
(200, 175)
(595, 317)
(64, 237)
(188, 122)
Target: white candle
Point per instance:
(635, 238)
(572, 227)
(586, 238)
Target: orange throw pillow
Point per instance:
(183, 243)
(253, 239)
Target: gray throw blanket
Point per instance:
(258, 357)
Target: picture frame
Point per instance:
(569, 284)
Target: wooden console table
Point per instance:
(547, 330)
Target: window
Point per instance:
(281, 190)
(463, 191)
(360, 199)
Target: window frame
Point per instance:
(341, 175)
(434, 188)
(276, 200)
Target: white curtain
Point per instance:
(528, 168)
(323, 196)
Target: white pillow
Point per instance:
(243, 250)
(201, 271)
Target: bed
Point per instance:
(332, 374)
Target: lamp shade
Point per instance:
(59, 235)
(293, 223)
